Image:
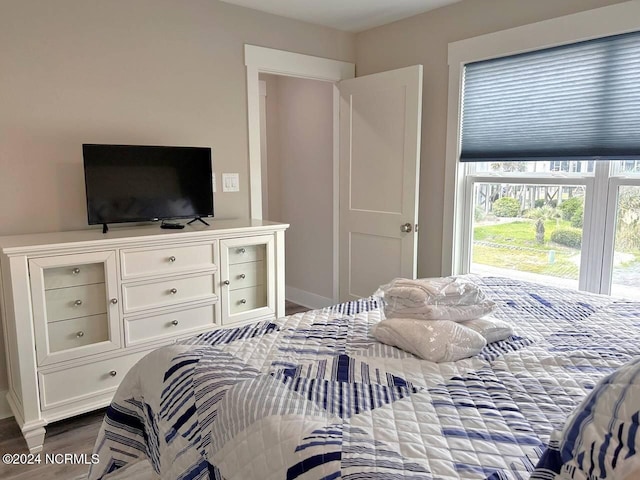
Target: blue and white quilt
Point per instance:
(315, 396)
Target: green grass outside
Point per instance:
(535, 258)
(526, 261)
(521, 233)
(636, 259)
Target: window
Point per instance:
(527, 221)
(531, 231)
(623, 267)
(547, 178)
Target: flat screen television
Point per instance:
(137, 183)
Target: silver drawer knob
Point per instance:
(226, 282)
(172, 259)
(80, 334)
(242, 250)
(114, 300)
(77, 303)
(174, 323)
(113, 373)
(242, 276)
(244, 300)
(173, 291)
(75, 271)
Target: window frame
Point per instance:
(613, 184)
(600, 214)
(600, 22)
(552, 178)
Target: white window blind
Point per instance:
(577, 101)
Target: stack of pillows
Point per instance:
(438, 319)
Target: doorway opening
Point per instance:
(376, 151)
(296, 150)
(288, 66)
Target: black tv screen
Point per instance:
(136, 183)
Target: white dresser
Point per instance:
(80, 308)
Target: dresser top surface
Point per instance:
(117, 235)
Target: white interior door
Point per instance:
(380, 117)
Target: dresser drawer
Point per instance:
(84, 381)
(168, 292)
(73, 275)
(167, 260)
(77, 332)
(248, 253)
(145, 329)
(245, 299)
(74, 302)
(243, 275)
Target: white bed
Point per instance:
(315, 396)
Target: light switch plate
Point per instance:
(230, 182)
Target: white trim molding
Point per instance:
(278, 62)
(587, 25)
(307, 299)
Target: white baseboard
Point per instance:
(5, 410)
(306, 299)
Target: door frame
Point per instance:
(280, 62)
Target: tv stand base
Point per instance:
(199, 220)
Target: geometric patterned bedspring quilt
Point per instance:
(315, 396)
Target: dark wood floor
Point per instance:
(290, 308)
(75, 435)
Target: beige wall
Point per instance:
(424, 39)
(300, 176)
(121, 71)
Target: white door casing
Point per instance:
(380, 123)
(279, 62)
(391, 100)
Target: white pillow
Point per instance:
(437, 341)
(490, 328)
